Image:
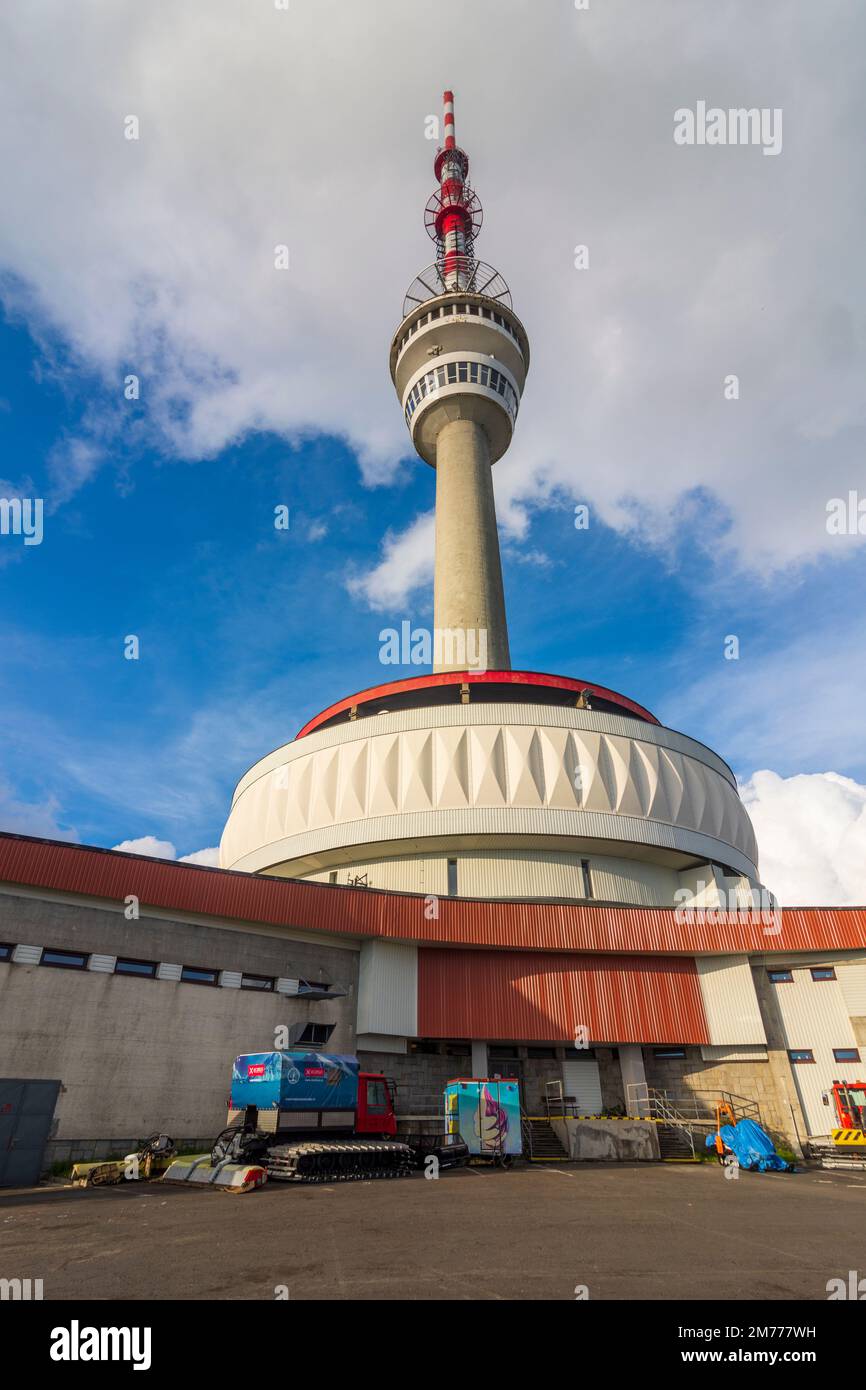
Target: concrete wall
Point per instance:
(768, 1082)
(139, 1055)
(620, 1141)
(420, 1077)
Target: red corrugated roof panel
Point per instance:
(547, 996)
(190, 888)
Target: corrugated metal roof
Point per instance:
(194, 889)
(547, 996)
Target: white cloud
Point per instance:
(306, 127)
(811, 833)
(210, 856)
(406, 565)
(148, 844)
(164, 849)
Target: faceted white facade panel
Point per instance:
(487, 769)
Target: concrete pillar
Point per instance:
(632, 1068)
(468, 592)
(479, 1059)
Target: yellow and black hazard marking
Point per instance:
(850, 1138)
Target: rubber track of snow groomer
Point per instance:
(349, 1160)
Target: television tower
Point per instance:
(458, 362)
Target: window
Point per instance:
(461, 371)
(452, 878)
(781, 977)
(548, 1053)
(146, 968)
(314, 1035)
(332, 876)
(668, 1054)
(822, 972)
(846, 1054)
(452, 372)
(377, 1099)
(587, 878)
(473, 371)
(261, 982)
(195, 975)
(66, 960)
(6, 951)
(801, 1054)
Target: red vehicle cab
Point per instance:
(376, 1096)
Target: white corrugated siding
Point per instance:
(730, 1003)
(815, 1016)
(421, 873)
(517, 873)
(388, 989)
(852, 982)
(580, 1079)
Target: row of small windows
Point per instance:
(147, 969)
(476, 373)
(804, 1055)
(445, 310)
(819, 974)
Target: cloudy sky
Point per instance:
(307, 127)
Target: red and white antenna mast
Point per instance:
(453, 215)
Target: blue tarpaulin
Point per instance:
(751, 1147)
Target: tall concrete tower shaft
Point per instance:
(459, 361)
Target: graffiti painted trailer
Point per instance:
(485, 1112)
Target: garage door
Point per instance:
(581, 1080)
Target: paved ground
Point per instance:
(659, 1231)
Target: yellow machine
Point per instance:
(849, 1097)
(150, 1161)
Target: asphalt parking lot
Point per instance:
(653, 1231)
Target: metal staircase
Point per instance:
(683, 1119)
(541, 1143)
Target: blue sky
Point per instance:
(259, 388)
(245, 631)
